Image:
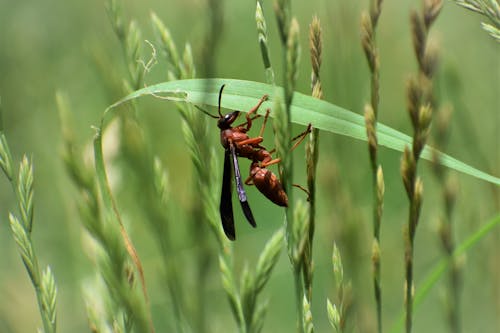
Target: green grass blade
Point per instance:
(242, 95)
(440, 268)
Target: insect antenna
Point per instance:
(220, 97)
(206, 112)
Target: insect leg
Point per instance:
(254, 109)
(301, 136)
(264, 123)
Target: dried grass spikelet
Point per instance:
(430, 60)
(375, 10)
(367, 40)
(371, 134)
(408, 168)
(418, 197)
(419, 36)
(380, 191)
(422, 131)
(432, 8)
(414, 97)
(282, 11)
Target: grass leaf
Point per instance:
(242, 95)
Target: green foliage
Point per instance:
(132, 222)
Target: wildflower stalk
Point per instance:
(294, 248)
(449, 193)
(315, 49)
(248, 312)
(289, 34)
(102, 221)
(91, 216)
(369, 22)
(115, 269)
(130, 39)
(159, 222)
(282, 124)
(134, 146)
(252, 285)
(338, 311)
(22, 227)
(449, 246)
(419, 96)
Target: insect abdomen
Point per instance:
(269, 185)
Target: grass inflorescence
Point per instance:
(263, 43)
(312, 144)
(369, 22)
(419, 101)
(295, 220)
(338, 311)
(203, 158)
(127, 309)
(22, 226)
(446, 227)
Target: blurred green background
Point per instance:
(70, 46)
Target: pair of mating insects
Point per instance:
(237, 143)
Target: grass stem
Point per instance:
(419, 96)
(369, 22)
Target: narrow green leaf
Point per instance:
(242, 95)
(441, 267)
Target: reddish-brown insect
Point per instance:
(237, 143)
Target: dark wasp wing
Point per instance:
(242, 196)
(226, 203)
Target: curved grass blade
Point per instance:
(242, 95)
(440, 268)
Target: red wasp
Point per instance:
(238, 144)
